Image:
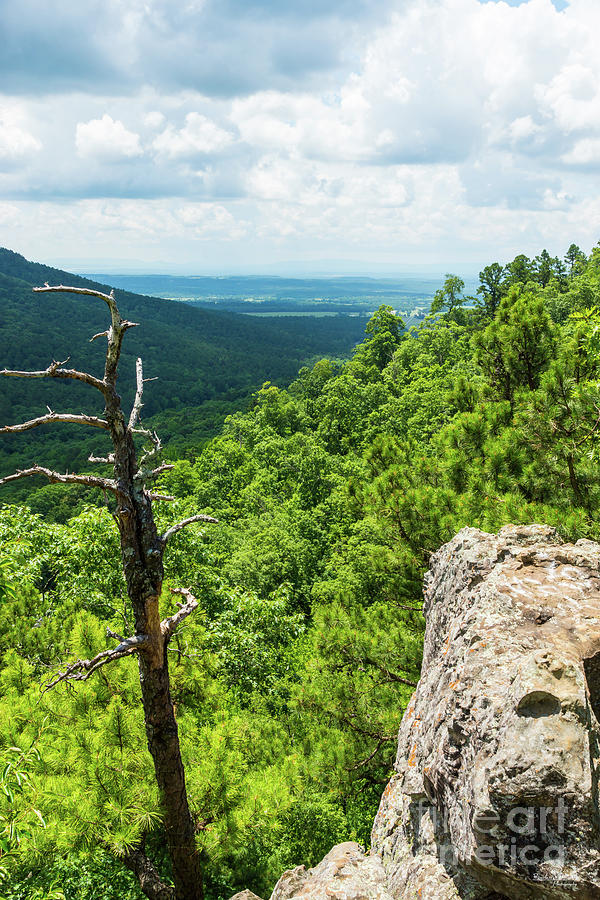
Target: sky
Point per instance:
(216, 136)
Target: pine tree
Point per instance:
(492, 288)
(449, 297)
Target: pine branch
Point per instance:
(136, 860)
(367, 759)
(345, 720)
(105, 484)
(66, 418)
(55, 370)
(168, 626)
(83, 668)
(392, 676)
(183, 524)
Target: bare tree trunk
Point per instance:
(142, 553)
(142, 550)
(163, 743)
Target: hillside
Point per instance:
(201, 358)
(291, 677)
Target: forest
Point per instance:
(331, 493)
(208, 365)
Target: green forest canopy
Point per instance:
(290, 686)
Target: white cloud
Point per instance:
(106, 140)
(522, 128)
(572, 97)
(432, 87)
(556, 200)
(198, 135)
(154, 119)
(16, 142)
(446, 125)
(585, 152)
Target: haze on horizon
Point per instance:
(332, 137)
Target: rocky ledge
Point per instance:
(495, 793)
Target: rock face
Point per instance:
(346, 873)
(496, 786)
(245, 895)
(495, 794)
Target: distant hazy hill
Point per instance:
(207, 361)
(350, 294)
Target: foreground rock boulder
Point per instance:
(346, 873)
(496, 785)
(495, 794)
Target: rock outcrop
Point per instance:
(346, 873)
(245, 895)
(495, 794)
(496, 785)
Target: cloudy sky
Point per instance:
(232, 135)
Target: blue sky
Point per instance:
(223, 135)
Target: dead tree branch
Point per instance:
(56, 370)
(83, 668)
(137, 403)
(165, 467)
(105, 484)
(107, 460)
(67, 418)
(184, 523)
(109, 299)
(156, 448)
(168, 626)
(143, 476)
(114, 334)
(115, 636)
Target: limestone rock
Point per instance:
(346, 873)
(245, 895)
(495, 793)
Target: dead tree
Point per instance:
(142, 550)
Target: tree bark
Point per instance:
(142, 555)
(163, 744)
(149, 879)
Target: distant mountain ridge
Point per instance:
(206, 361)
